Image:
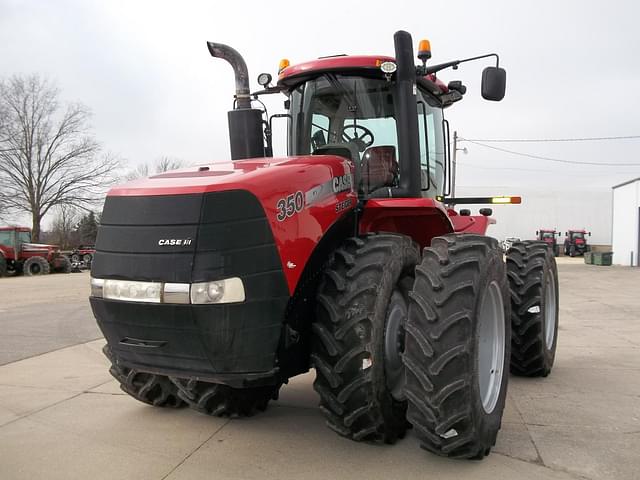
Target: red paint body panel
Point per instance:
(269, 179)
(420, 218)
(343, 63)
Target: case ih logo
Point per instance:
(342, 183)
(174, 241)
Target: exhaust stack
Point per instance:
(410, 183)
(245, 123)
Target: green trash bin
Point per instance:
(588, 258)
(602, 258)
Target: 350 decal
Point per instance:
(288, 207)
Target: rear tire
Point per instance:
(362, 303)
(457, 346)
(3, 266)
(533, 281)
(224, 401)
(155, 390)
(36, 266)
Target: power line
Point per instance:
(548, 140)
(592, 174)
(549, 159)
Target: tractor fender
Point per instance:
(418, 218)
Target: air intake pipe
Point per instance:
(245, 123)
(407, 118)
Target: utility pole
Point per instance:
(453, 166)
(454, 163)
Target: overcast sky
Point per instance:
(144, 70)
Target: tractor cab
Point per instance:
(12, 241)
(350, 107)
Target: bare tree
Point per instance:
(161, 165)
(48, 156)
(64, 226)
(141, 171)
(165, 164)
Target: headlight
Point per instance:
(230, 290)
(97, 285)
(132, 291)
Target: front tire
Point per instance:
(222, 400)
(155, 390)
(533, 281)
(359, 337)
(457, 346)
(36, 266)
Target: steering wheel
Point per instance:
(362, 141)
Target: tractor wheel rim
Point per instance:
(550, 311)
(394, 345)
(35, 268)
(491, 346)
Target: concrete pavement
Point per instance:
(45, 313)
(62, 416)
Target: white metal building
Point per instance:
(625, 233)
(568, 208)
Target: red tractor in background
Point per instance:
(19, 255)
(575, 242)
(215, 284)
(548, 236)
(82, 254)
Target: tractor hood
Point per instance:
(257, 175)
(296, 200)
(38, 247)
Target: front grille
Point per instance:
(230, 237)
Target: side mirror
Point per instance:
(536, 232)
(566, 234)
(494, 82)
(589, 233)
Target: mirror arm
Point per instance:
(422, 70)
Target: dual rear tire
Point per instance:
(457, 308)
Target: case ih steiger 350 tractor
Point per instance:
(214, 285)
(548, 235)
(19, 255)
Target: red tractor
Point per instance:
(18, 254)
(575, 242)
(83, 254)
(214, 285)
(548, 235)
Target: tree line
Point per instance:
(51, 162)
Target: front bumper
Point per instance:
(234, 344)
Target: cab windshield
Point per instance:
(577, 235)
(24, 237)
(548, 235)
(359, 113)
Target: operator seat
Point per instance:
(379, 168)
